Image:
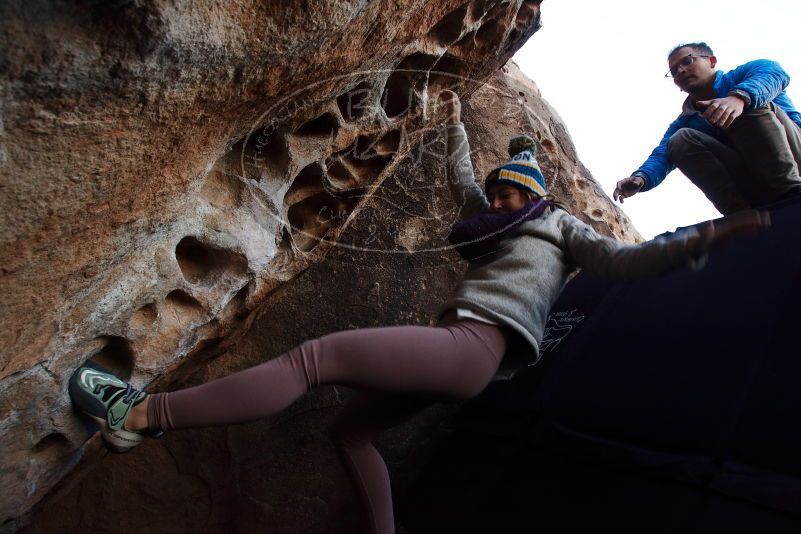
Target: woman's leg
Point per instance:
(404, 364)
(400, 365)
(356, 426)
(456, 361)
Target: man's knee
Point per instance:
(681, 141)
(761, 127)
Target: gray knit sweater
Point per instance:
(519, 286)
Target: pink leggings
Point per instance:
(403, 367)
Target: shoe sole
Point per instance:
(117, 441)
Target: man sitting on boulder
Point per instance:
(738, 137)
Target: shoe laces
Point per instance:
(130, 394)
(109, 391)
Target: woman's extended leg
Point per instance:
(400, 365)
(455, 361)
(356, 426)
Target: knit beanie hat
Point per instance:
(522, 171)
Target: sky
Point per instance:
(601, 65)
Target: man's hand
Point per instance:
(721, 112)
(452, 105)
(628, 187)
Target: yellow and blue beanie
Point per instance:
(522, 171)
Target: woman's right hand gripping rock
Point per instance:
(452, 106)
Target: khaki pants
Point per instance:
(761, 168)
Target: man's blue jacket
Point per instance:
(762, 80)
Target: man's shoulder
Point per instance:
(751, 75)
(753, 67)
(758, 62)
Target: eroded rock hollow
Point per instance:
(191, 189)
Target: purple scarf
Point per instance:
(479, 236)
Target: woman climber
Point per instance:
(521, 247)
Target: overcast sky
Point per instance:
(601, 65)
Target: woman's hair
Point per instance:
(529, 195)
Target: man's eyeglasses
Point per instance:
(686, 61)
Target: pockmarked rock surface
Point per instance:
(189, 190)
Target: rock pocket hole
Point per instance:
(203, 263)
(529, 12)
(356, 103)
(222, 190)
(400, 94)
(116, 355)
(324, 126)
(464, 46)
(477, 9)
(388, 144)
(367, 147)
(490, 34)
(448, 30)
(264, 155)
(449, 72)
(547, 145)
(144, 317)
(367, 170)
(180, 311)
(311, 219)
(340, 176)
(308, 182)
(363, 161)
(56, 440)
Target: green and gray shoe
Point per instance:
(107, 400)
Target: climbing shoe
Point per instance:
(107, 400)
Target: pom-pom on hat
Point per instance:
(522, 171)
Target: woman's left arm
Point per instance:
(461, 180)
(608, 257)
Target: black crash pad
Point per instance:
(670, 404)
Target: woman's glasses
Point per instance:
(686, 61)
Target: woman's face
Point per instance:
(506, 199)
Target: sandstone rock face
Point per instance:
(189, 190)
(391, 267)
